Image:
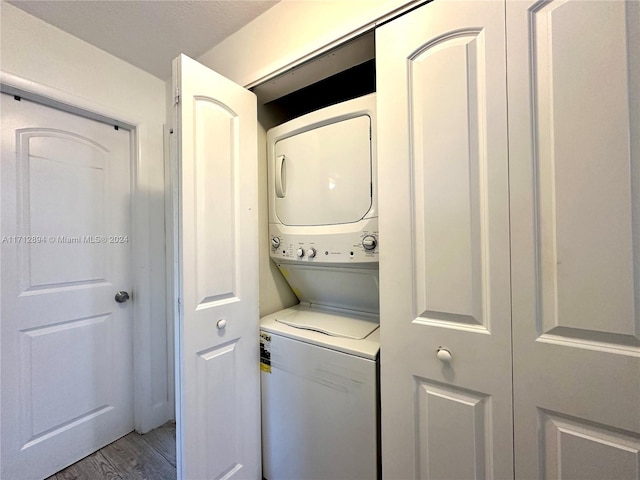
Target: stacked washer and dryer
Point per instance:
(320, 358)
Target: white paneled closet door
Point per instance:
(217, 368)
(444, 223)
(574, 148)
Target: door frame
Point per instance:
(145, 418)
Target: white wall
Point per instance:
(278, 39)
(41, 53)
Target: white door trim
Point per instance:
(144, 416)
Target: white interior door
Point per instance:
(444, 221)
(67, 382)
(217, 371)
(574, 141)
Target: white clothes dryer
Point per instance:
(322, 174)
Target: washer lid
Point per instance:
(368, 347)
(341, 326)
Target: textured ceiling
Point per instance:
(148, 33)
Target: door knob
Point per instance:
(443, 355)
(122, 297)
(221, 324)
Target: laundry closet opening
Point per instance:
(319, 293)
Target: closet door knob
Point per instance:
(221, 324)
(443, 355)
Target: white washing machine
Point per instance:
(319, 359)
(319, 395)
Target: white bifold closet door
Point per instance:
(217, 367)
(444, 218)
(574, 149)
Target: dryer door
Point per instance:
(323, 175)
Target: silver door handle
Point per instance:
(122, 297)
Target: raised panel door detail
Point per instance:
(574, 449)
(217, 378)
(62, 181)
(51, 403)
(449, 168)
(216, 179)
(587, 166)
(453, 427)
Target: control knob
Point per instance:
(369, 242)
(311, 252)
(300, 252)
(275, 242)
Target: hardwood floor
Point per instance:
(133, 457)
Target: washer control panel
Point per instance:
(356, 247)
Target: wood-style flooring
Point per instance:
(151, 456)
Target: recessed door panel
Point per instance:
(216, 179)
(62, 192)
(325, 174)
(453, 439)
(53, 402)
(449, 184)
(583, 153)
(576, 449)
(219, 405)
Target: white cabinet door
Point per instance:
(574, 148)
(444, 230)
(217, 371)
